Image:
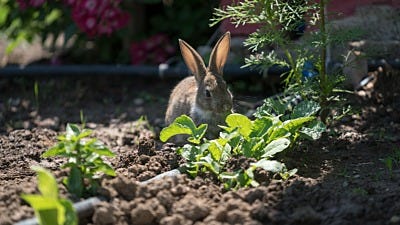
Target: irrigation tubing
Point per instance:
(86, 207)
(144, 71)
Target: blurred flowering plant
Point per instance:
(106, 31)
(25, 20)
(98, 17)
(155, 49)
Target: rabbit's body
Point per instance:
(205, 96)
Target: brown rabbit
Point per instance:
(205, 96)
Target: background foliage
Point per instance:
(106, 31)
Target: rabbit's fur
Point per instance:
(205, 96)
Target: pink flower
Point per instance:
(98, 17)
(138, 53)
(90, 5)
(22, 4)
(70, 2)
(170, 49)
(156, 49)
(160, 56)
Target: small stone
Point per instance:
(138, 101)
(395, 219)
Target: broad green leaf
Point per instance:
(313, 131)
(198, 133)
(84, 133)
(304, 109)
(270, 107)
(241, 121)
(57, 150)
(261, 127)
(228, 137)
(294, 124)
(105, 168)
(92, 157)
(71, 131)
(269, 165)
(99, 148)
(277, 105)
(40, 202)
(247, 147)
(52, 16)
(257, 148)
(75, 182)
(278, 132)
(47, 184)
(210, 163)
(275, 146)
(183, 125)
(47, 209)
(226, 154)
(250, 174)
(244, 180)
(216, 150)
(4, 11)
(190, 152)
(71, 217)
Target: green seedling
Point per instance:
(36, 93)
(392, 160)
(260, 139)
(85, 161)
(360, 191)
(49, 208)
(83, 118)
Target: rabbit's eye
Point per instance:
(208, 94)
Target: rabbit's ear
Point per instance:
(193, 60)
(220, 53)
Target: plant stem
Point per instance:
(323, 75)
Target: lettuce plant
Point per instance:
(260, 139)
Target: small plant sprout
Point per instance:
(36, 93)
(260, 139)
(49, 208)
(392, 160)
(85, 161)
(83, 118)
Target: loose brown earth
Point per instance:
(341, 178)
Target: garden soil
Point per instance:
(342, 178)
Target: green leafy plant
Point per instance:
(49, 208)
(260, 139)
(84, 159)
(280, 22)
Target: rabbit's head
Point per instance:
(212, 91)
